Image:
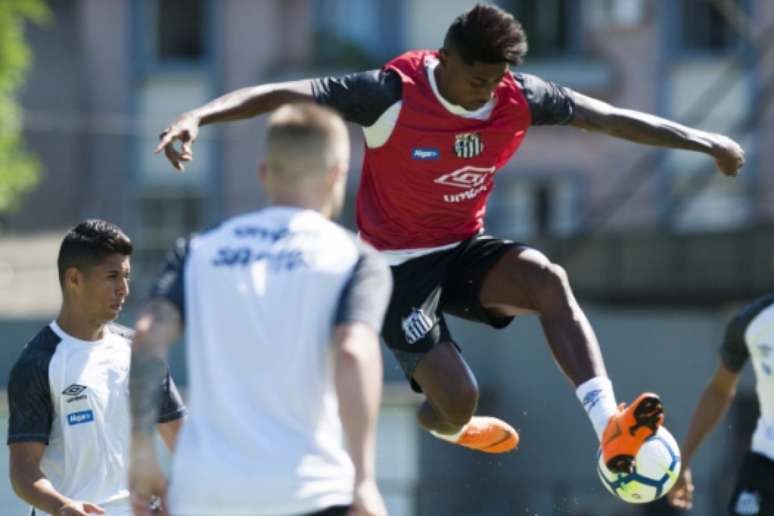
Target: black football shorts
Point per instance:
(426, 287)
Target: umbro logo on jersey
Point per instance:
(74, 393)
(416, 325)
(425, 153)
(468, 145)
(466, 177)
(74, 390)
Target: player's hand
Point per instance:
(367, 500)
(681, 495)
(147, 484)
(185, 130)
(729, 155)
(74, 508)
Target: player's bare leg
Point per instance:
(525, 280)
(452, 397)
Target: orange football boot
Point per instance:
(626, 431)
(489, 435)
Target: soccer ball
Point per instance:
(657, 467)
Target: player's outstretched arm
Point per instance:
(237, 105)
(31, 485)
(359, 390)
(595, 115)
(714, 403)
(156, 329)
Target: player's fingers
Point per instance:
(173, 156)
(167, 136)
(186, 148)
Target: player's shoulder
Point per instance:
(748, 313)
(39, 349)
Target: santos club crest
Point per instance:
(468, 145)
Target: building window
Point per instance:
(176, 29)
(180, 34)
(354, 33)
(710, 26)
(164, 216)
(538, 205)
(548, 27)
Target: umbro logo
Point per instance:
(74, 392)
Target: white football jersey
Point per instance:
(751, 335)
(73, 396)
(260, 295)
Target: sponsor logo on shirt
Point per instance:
(76, 418)
(74, 393)
(425, 153)
(416, 325)
(468, 145)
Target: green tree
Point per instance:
(19, 170)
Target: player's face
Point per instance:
(105, 286)
(469, 86)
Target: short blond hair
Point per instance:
(305, 141)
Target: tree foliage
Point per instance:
(19, 170)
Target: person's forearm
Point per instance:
(711, 408)
(359, 390)
(37, 490)
(249, 102)
(156, 328)
(659, 132)
(595, 115)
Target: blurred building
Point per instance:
(659, 242)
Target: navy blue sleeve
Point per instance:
(360, 98)
(734, 351)
(549, 103)
(31, 411)
(172, 406)
(367, 293)
(170, 284)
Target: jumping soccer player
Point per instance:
(749, 335)
(437, 126)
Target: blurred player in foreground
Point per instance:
(749, 335)
(437, 127)
(282, 311)
(68, 394)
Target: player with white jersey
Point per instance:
(282, 310)
(68, 394)
(749, 335)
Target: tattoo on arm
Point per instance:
(156, 329)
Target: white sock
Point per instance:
(452, 438)
(596, 396)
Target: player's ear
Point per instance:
(73, 278)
